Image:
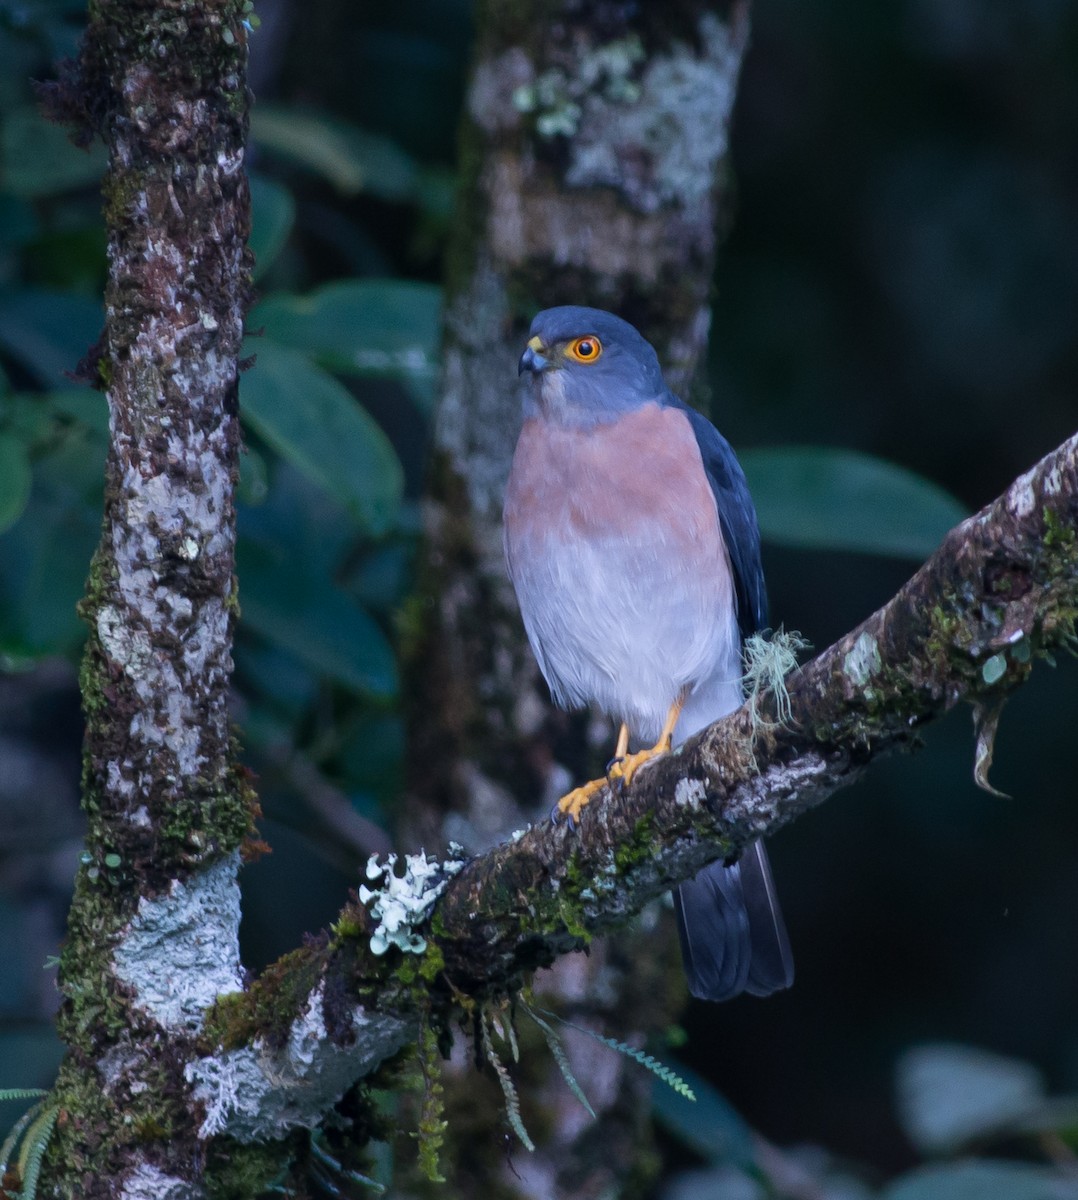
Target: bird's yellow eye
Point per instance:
(584, 349)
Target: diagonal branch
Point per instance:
(1001, 590)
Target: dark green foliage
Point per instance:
(830, 499)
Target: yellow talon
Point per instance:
(625, 765)
(622, 768)
(622, 772)
(572, 802)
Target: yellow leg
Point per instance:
(572, 802)
(627, 765)
(622, 768)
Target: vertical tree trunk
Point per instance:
(595, 149)
(153, 927)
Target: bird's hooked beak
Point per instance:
(533, 358)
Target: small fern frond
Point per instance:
(557, 1049)
(659, 1069)
(326, 1184)
(33, 1150)
(512, 1101)
(514, 1046)
(22, 1093)
(12, 1139)
(501, 1022)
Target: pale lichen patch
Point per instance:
(147, 1182)
(256, 1093)
(180, 951)
(128, 648)
(494, 85)
(863, 660)
(659, 141)
(120, 784)
(690, 792)
(1022, 495)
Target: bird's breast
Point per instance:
(614, 547)
(617, 479)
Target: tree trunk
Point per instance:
(153, 926)
(595, 146)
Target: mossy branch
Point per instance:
(1001, 591)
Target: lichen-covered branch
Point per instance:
(1001, 591)
(154, 923)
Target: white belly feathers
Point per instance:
(614, 547)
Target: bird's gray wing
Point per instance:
(737, 518)
(733, 937)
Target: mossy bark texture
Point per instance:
(594, 155)
(153, 927)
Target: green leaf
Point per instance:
(373, 753)
(982, 1181)
(273, 213)
(48, 332)
(253, 483)
(18, 221)
(83, 405)
(382, 327)
(711, 1125)
(318, 425)
(15, 480)
(829, 499)
(69, 259)
(950, 1095)
(37, 159)
(265, 668)
(305, 613)
(45, 555)
(350, 158)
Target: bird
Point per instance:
(633, 547)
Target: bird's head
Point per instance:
(586, 366)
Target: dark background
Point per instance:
(901, 277)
